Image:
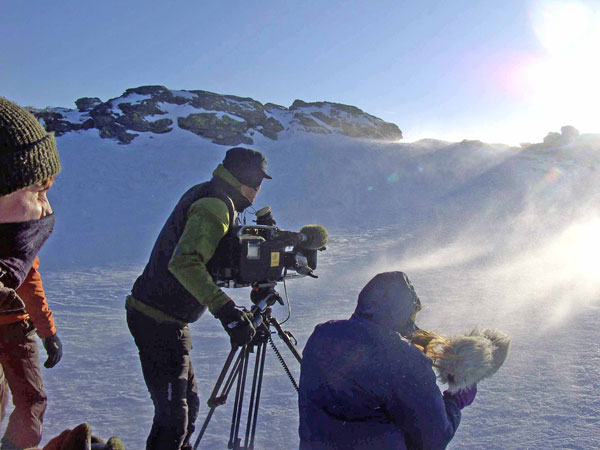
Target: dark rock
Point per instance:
(136, 122)
(87, 124)
(118, 132)
(553, 138)
(146, 90)
(55, 122)
(300, 104)
(102, 115)
(569, 132)
(161, 126)
(310, 124)
(224, 131)
(85, 104)
(337, 119)
(335, 107)
(391, 131)
(567, 135)
(142, 109)
(134, 115)
(270, 128)
(246, 108)
(331, 121)
(176, 100)
(269, 106)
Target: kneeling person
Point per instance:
(364, 386)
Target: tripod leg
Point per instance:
(254, 415)
(216, 400)
(203, 429)
(234, 440)
(253, 392)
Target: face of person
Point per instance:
(29, 203)
(250, 193)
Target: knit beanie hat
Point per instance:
(28, 154)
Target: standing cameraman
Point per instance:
(176, 288)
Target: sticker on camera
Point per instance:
(274, 259)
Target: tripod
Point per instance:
(237, 373)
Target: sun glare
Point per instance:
(561, 85)
(562, 26)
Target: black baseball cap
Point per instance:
(248, 166)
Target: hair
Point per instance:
(47, 183)
(430, 343)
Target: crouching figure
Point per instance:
(363, 385)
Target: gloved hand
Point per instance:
(81, 437)
(464, 397)
(10, 302)
(53, 348)
(237, 323)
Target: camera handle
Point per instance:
(238, 373)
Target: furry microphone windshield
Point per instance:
(462, 361)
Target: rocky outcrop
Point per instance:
(326, 118)
(57, 121)
(86, 103)
(224, 119)
(222, 130)
(553, 140)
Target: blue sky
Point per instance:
(488, 70)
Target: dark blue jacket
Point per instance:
(362, 386)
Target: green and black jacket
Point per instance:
(175, 285)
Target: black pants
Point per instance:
(164, 353)
(21, 365)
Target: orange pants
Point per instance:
(20, 363)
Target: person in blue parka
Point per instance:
(365, 386)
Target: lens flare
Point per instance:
(393, 178)
(549, 181)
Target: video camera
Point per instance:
(251, 254)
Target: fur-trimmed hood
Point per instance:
(462, 361)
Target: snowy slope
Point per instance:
(489, 235)
(112, 199)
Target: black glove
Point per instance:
(237, 323)
(53, 348)
(10, 302)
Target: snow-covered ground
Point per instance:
(543, 397)
(490, 236)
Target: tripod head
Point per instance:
(263, 296)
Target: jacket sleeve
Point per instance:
(207, 223)
(428, 420)
(32, 293)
